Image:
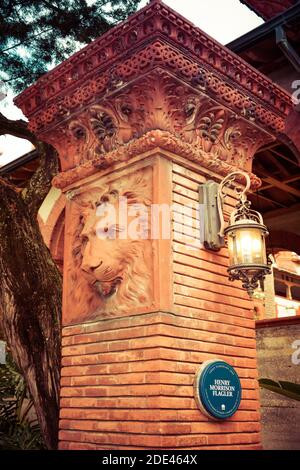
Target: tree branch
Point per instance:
(24, 41)
(17, 128)
(40, 183)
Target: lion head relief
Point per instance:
(110, 267)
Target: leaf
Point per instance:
(17, 429)
(287, 389)
(35, 36)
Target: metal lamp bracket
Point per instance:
(211, 197)
(210, 223)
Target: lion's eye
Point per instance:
(76, 251)
(84, 240)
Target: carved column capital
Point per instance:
(155, 71)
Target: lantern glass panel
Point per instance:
(246, 246)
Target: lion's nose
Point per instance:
(89, 267)
(90, 258)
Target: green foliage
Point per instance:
(19, 429)
(287, 389)
(36, 36)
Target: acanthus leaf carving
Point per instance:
(162, 102)
(104, 128)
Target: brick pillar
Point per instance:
(128, 369)
(148, 112)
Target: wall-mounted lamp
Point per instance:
(245, 232)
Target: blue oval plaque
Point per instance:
(218, 389)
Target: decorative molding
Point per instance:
(156, 36)
(154, 56)
(160, 101)
(156, 139)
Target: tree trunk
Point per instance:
(30, 301)
(30, 284)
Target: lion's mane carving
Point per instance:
(108, 276)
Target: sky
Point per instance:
(224, 20)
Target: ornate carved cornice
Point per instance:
(156, 70)
(154, 21)
(158, 100)
(155, 139)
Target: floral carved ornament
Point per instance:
(158, 102)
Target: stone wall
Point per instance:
(280, 415)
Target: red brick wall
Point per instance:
(127, 382)
(214, 318)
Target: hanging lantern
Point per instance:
(245, 235)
